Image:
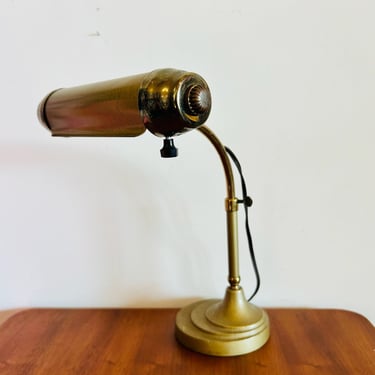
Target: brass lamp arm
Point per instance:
(231, 207)
(224, 159)
(231, 326)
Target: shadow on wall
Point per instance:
(75, 225)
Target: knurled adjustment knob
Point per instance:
(198, 100)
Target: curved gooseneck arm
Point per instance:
(231, 207)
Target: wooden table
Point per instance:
(141, 341)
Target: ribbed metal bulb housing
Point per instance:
(198, 100)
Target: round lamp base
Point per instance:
(226, 327)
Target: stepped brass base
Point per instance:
(226, 327)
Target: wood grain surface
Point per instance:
(6, 314)
(141, 341)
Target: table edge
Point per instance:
(7, 314)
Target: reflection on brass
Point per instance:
(231, 326)
(173, 102)
(167, 102)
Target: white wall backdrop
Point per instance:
(106, 222)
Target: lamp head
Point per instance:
(167, 102)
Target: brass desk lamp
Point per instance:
(168, 103)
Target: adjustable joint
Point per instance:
(234, 282)
(231, 204)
